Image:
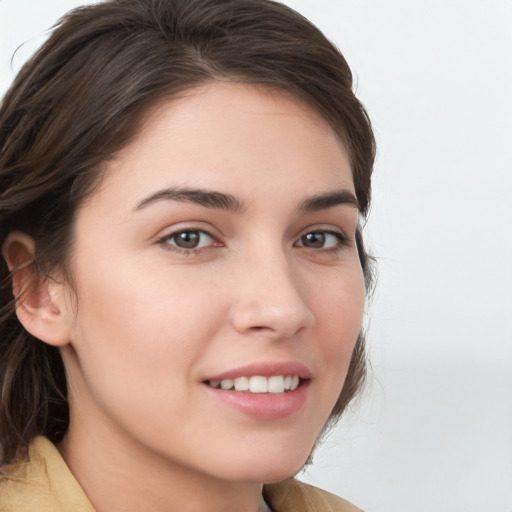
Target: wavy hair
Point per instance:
(82, 97)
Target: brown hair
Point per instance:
(80, 99)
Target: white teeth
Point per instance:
(226, 384)
(241, 384)
(276, 384)
(258, 384)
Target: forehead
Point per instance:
(231, 136)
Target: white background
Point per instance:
(433, 432)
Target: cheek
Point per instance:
(138, 337)
(133, 312)
(339, 307)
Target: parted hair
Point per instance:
(82, 97)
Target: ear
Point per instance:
(41, 302)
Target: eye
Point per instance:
(189, 239)
(325, 240)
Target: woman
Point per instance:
(181, 188)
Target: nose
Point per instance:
(269, 298)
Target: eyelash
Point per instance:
(165, 241)
(341, 241)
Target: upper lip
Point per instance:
(265, 369)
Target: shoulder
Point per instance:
(40, 482)
(24, 485)
(294, 496)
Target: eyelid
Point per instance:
(164, 238)
(340, 235)
(323, 228)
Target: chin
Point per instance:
(270, 467)
(269, 475)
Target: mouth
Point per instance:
(262, 391)
(258, 384)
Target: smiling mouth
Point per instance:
(258, 384)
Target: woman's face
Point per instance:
(218, 251)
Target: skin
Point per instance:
(147, 323)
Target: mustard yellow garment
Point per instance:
(45, 484)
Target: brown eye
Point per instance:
(190, 239)
(313, 240)
(321, 240)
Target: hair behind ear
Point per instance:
(33, 392)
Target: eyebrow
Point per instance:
(228, 202)
(329, 200)
(206, 198)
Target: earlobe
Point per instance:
(40, 301)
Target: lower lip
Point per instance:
(263, 406)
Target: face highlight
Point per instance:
(218, 285)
